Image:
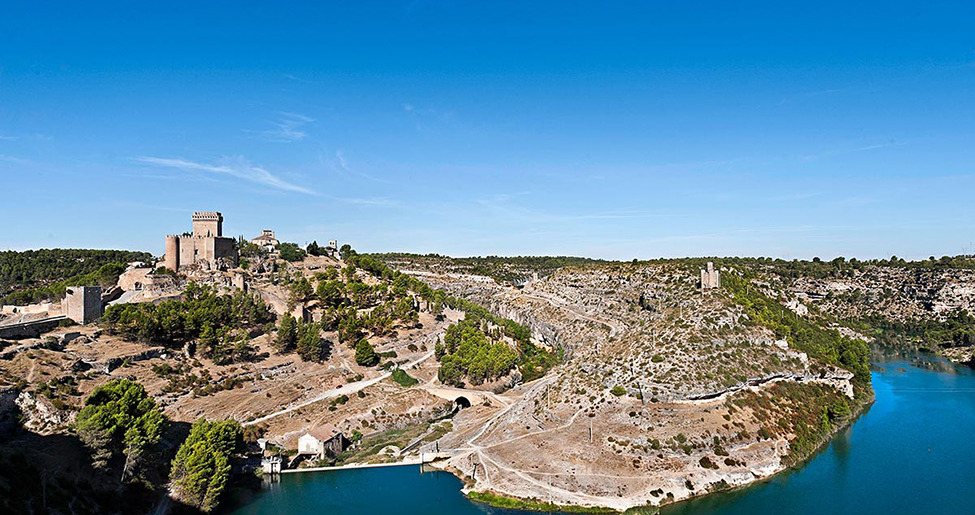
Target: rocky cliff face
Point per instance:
(40, 416)
(896, 293)
(648, 408)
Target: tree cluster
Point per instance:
(201, 469)
(802, 333)
(120, 422)
(36, 267)
(219, 324)
(290, 251)
(468, 353)
(303, 338)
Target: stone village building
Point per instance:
(322, 442)
(266, 240)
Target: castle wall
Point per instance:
(225, 248)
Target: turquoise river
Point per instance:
(912, 452)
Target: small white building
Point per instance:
(321, 442)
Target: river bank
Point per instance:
(889, 460)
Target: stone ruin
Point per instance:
(710, 278)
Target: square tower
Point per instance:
(208, 224)
(83, 304)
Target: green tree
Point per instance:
(315, 249)
(350, 328)
(365, 354)
(119, 420)
(290, 252)
(287, 336)
(311, 346)
(201, 468)
(331, 293)
(346, 252)
(299, 291)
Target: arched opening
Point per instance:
(462, 402)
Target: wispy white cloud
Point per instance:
(236, 167)
(865, 148)
(341, 165)
(295, 78)
(27, 137)
(288, 127)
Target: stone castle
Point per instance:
(206, 246)
(710, 278)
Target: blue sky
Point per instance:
(603, 129)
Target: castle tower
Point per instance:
(710, 277)
(171, 259)
(208, 224)
(83, 304)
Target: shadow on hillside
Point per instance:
(53, 474)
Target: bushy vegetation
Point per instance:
(120, 422)
(511, 503)
(806, 413)
(403, 379)
(470, 352)
(35, 267)
(201, 469)
(219, 323)
(512, 270)
(365, 354)
(956, 330)
(802, 333)
(290, 252)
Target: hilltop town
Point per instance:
(555, 381)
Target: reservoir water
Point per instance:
(912, 452)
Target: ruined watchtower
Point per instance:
(206, 246)
(710, 278)
(83, 304)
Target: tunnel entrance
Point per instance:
(462, 402)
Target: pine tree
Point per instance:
(287, 334)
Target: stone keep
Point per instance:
(83, 304)
(206, 244)
(710, 278)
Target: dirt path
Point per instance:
(335, 392)
(614, 328)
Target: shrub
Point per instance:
(365, 354)
(403, 379)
